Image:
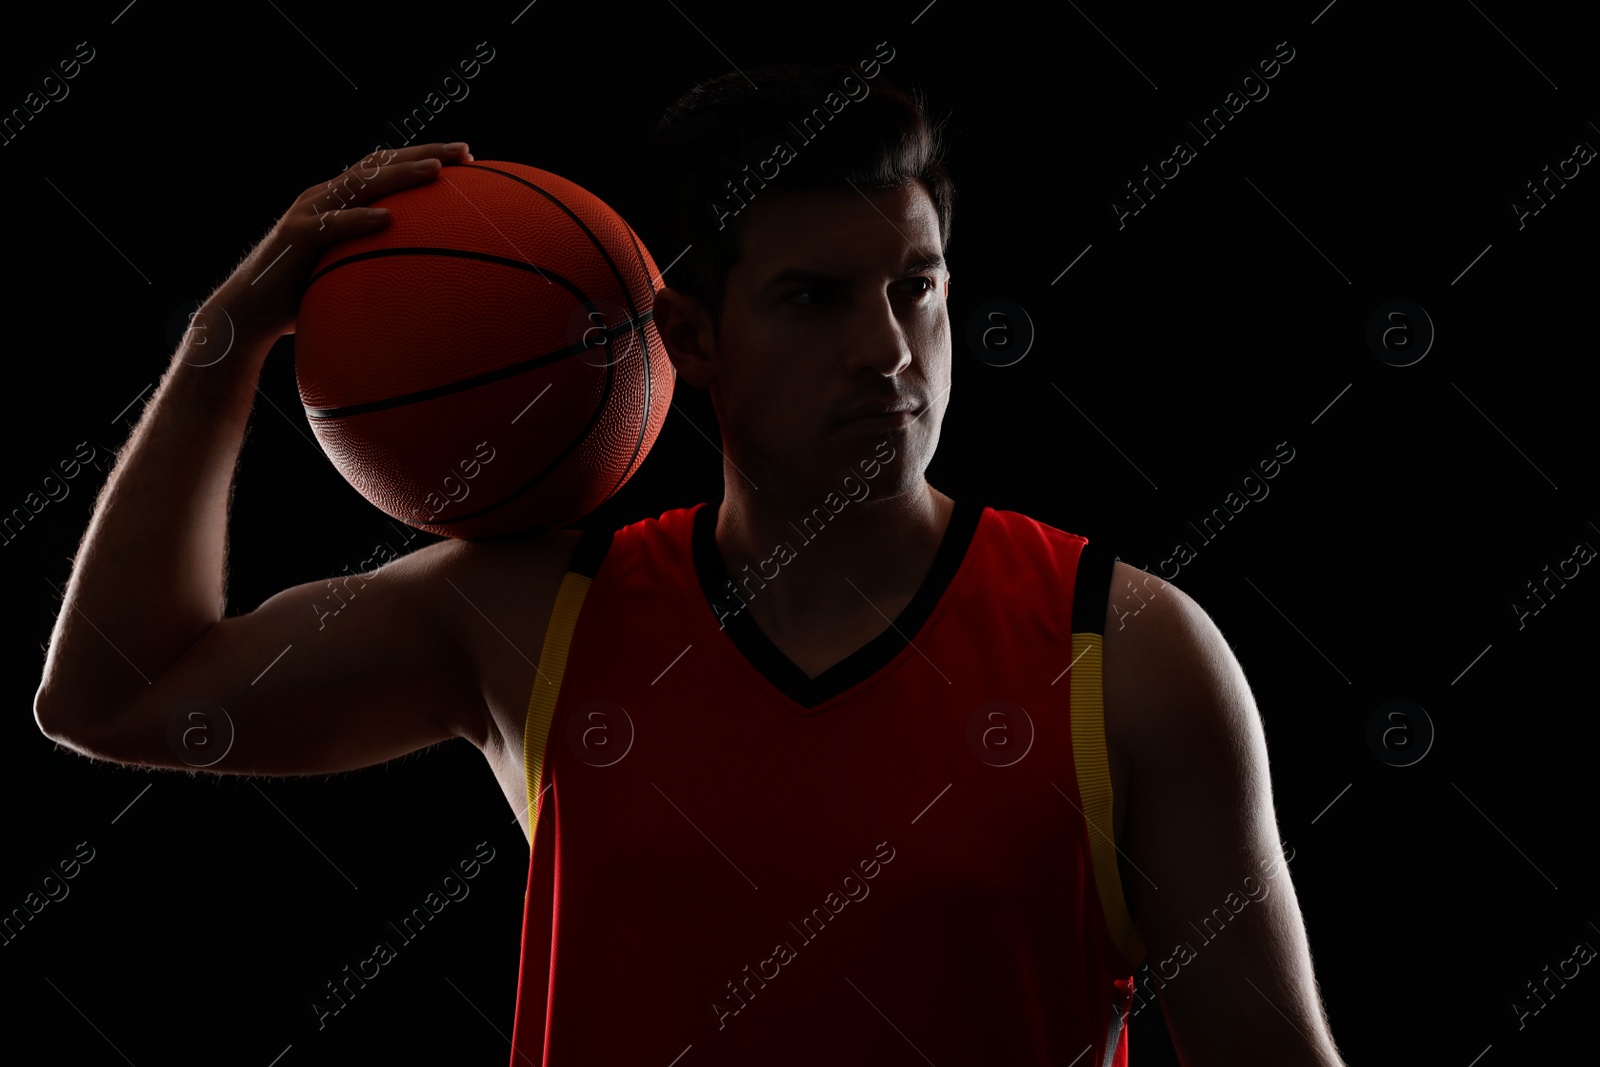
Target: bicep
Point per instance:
(322, 677)
(1221, 922)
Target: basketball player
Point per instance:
(799, 779)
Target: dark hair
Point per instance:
(821, 128)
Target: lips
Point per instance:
(879, 409)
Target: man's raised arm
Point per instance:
(141, 637)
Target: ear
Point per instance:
(690, 338)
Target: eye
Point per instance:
(814, 296)
(920, 286)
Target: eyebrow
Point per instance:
(923, 266)
(802, 276)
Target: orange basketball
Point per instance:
(486, 364)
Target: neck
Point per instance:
(827, 560)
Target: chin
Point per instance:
(888, 470)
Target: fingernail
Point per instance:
(455, 146)
(423, 165)
(377, 212)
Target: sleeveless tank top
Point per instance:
(907, 858)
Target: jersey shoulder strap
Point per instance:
(587, 556)
(1090, 596)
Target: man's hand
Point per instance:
(262, 296)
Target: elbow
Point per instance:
(57, 721)
(47, 715)
(54, 722)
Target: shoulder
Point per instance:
(503, 577)
(1181, 720)
(1167, 666)
(1159, 629)
(512, 582)
(492, 600)
(492, 568)
(1013, 532)
(533, 557)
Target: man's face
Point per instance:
(834, 310)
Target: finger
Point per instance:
(340, 223)
(362, 184)
(451, 153)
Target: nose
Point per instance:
(881, 343)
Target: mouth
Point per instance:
(891, 420)
(882, 415)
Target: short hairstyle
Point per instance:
(715, 150)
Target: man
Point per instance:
(800, 781)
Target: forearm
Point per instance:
(149, 575)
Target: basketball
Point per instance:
(486, 364)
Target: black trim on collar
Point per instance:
(756, 647)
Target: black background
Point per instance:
(1224, 318)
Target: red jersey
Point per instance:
(891, 863)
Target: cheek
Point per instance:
(932, 338)
(760, 382)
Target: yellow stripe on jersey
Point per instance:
(1094, 785)
(547, 686)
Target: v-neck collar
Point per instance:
(778, 669)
